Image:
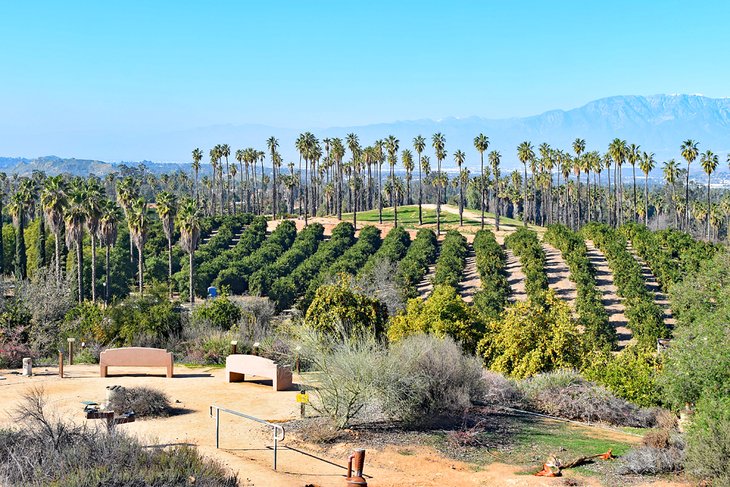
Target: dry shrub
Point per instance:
(145, 402)
(501, 391)
(319, 430)
(666, 420)
(658, 438)
(45, 451)
(648, 460)
(424, 379)
(567, 395)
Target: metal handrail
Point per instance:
(276, 428)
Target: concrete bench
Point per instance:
(239, 365)
(135, 357)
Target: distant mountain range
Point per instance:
(658, 123)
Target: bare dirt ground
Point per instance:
(245, 445)
(470, 281)
(661, 299)
(558, 275)
(611, 300)
(515, 277)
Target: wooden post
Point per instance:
(60, 364)
(234, 347)
(71, 350)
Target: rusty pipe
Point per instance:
(356, 461)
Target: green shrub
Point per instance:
(708, 441)
(526, 246)
(451, 260)
(221, 312)
(630, 374)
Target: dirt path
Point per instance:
(661, 299)
(558, 275)
(470, 281)
(515, 277)
(611, 300)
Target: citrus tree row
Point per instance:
(414, 265)
(451, 260)
(526, 246)
(644, 317)
(491, 261)
(671, 254)
(591, 312)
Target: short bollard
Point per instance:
(234, 347)
(355, 465)
(60, 364)
(303, 400)
(28, 367)
(71, 350)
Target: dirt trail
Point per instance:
(558, 275)
(470, 281)
(661, 299)
(515, 277)
(611, 301)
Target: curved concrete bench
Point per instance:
(238, 365)
(135, 357)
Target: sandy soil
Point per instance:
(611, 300)
(470, 281)
(245, 445)
(558, 275)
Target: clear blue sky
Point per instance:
(135, 66)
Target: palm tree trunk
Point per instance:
(577, 210)
(380, 192)
(461, 200)
(709, 209)
(646, 199)
(190, 278)
(139, 267)
(524, 197)
(306, 192)
(481, 187)
(93, 268)
(79, 267)
(496, 204)
(686, 200)
(57, 244)
(633, 169)
(438, 199)
(106, 287)
(169, 264)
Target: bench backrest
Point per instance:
(252, 364)
(136, 356)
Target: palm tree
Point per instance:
(438, 141)
(74, 219)
(494, 159)
(419, 145)
(407, 158)
(272, 144)
(709, 162)
(93, 194)
(647, 164)
(225, 151)
(138, 233)
(53, 201)
(241, 158)
(188, 223)
(618, 150)
(670, 170)
(525, 154)
(481, 143)
(690, 153)
(110, 215)
(353, 143)
(197, 157)
(127, 192)
(166, 208)
(634, 155)
(459, 158)
(391, 145)
(19, 204)
(379, 144)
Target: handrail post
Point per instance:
(217, 427)
(276, 445)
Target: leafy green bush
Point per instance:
(451, 260)
(630, 374)
(491, 260)
(708, 442)
(526, 246)
(221, 312)
(444, 313)
(414, 265)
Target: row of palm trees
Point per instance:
(327, 179)
(75, 208)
